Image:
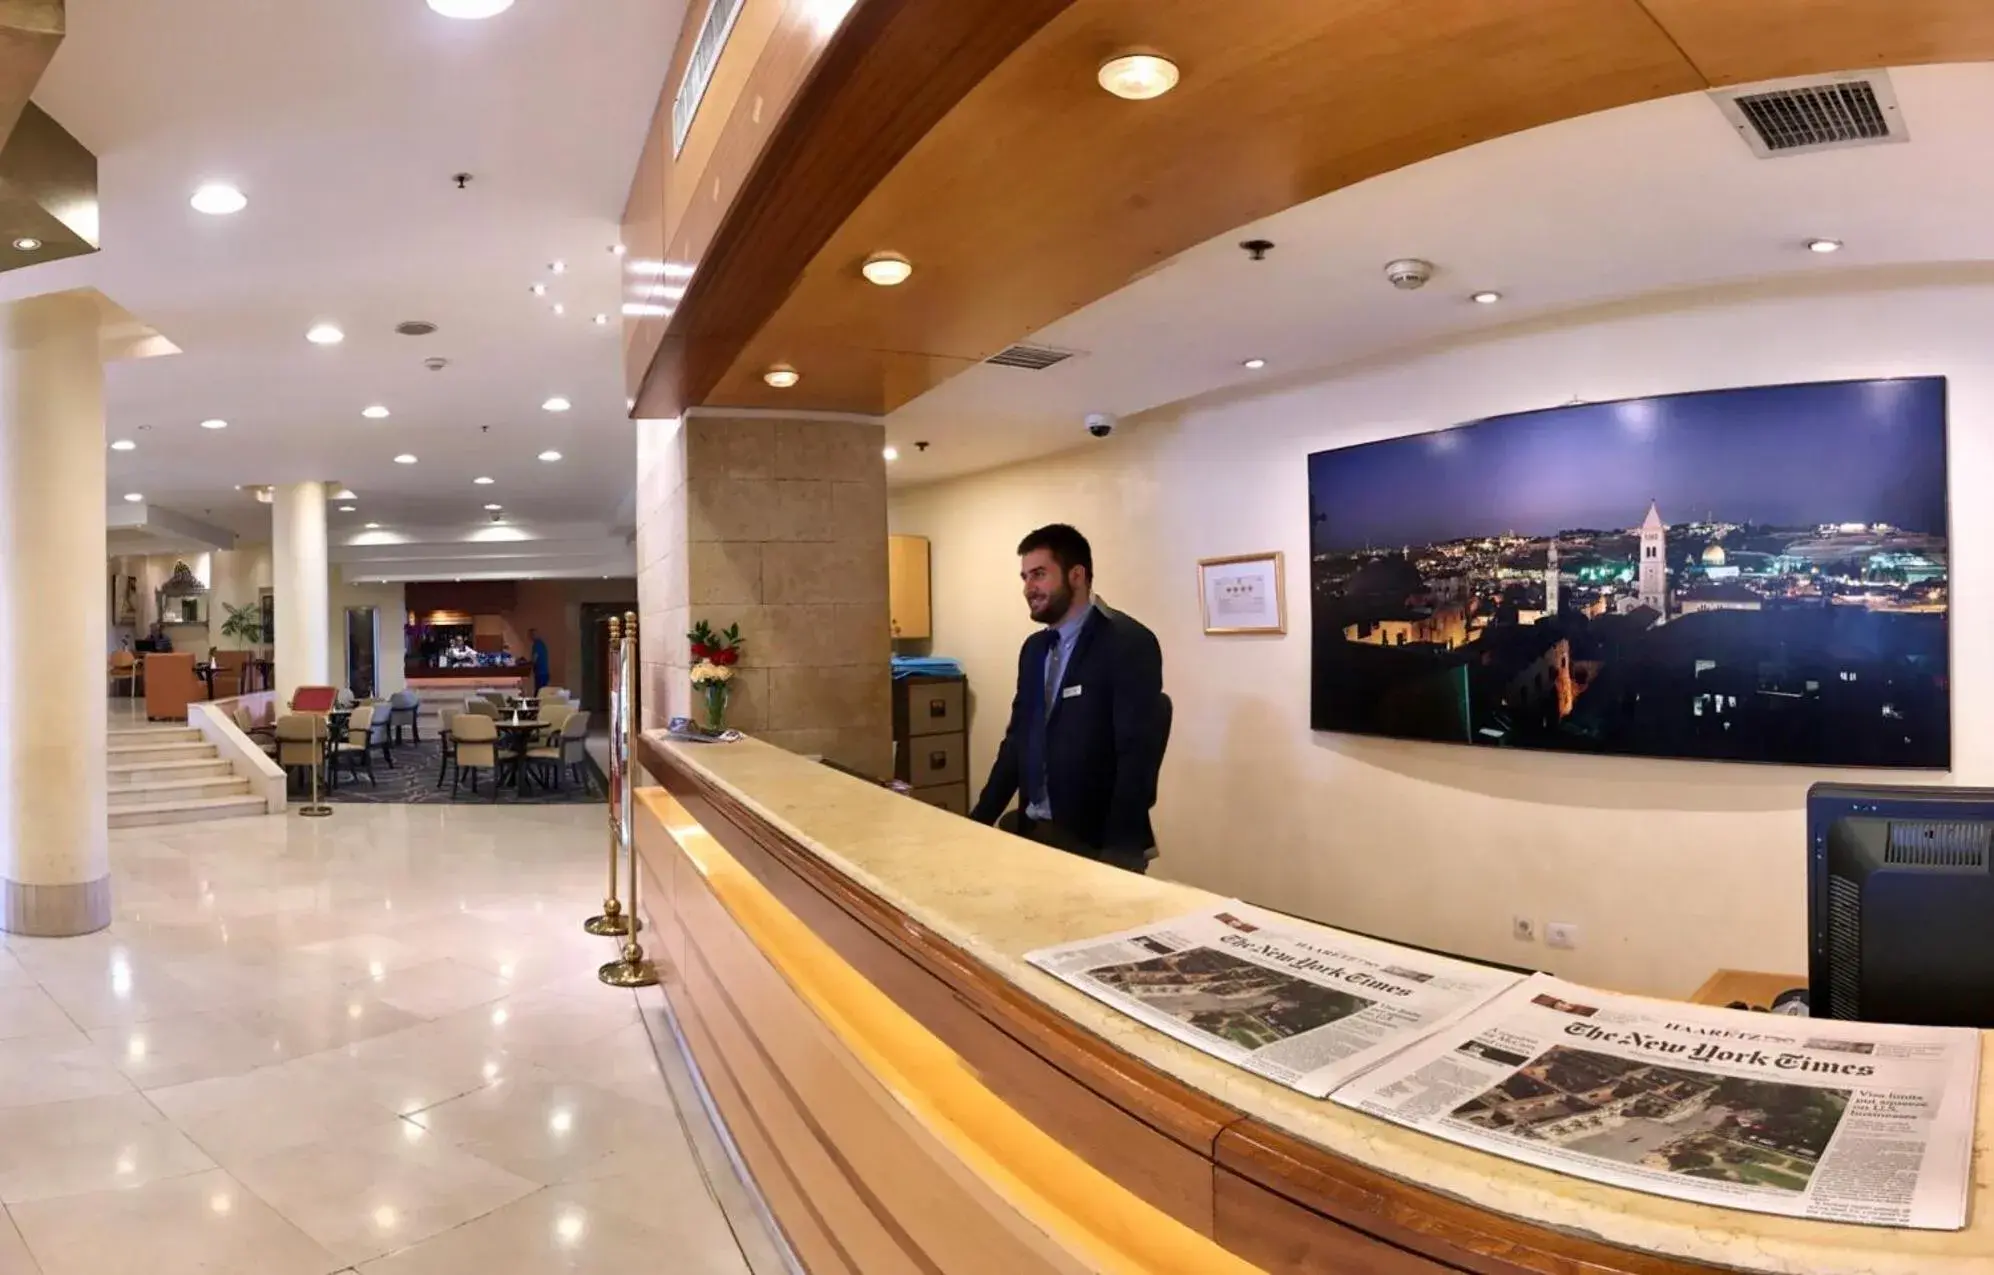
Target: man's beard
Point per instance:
(1055, 607)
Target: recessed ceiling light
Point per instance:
(887, 269)
(538, 289)
(601, 319)
(1138, 76)
(494, 507)
(646, 310)
(1254, 365)
(781, 377)
(373, 526)
(219, 199)
(406, 458)
(124, 445)
(347, 509)
(1824, 245)
(619, 250)
(28, 243)
(550, 455)
(344, 493)
(214, 422)
(1486, 298)
(375, 413)
(556, 404)
(471, 10)
(325, 334)
(482, 481)
(558, 267)
(890, 452)
(559, 308)
(134, 497)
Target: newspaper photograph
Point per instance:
(1304, 1005)
(1816, 1118)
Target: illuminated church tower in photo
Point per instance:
(1551, 580)
(1654, 577)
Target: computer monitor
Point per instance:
(1900, 904)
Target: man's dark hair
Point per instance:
(1067, 546)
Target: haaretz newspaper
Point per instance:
(1816, 1118)
(1301, 1004)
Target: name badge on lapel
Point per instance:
(1071, 692)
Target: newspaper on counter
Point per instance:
(1816, 1118)
(1301, 1004)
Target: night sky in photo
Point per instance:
(1791, 455)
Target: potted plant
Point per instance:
(714, 656)
(244, 624)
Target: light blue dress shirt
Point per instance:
(1040, 805)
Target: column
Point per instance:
(777, 523)
(299, 588)
(54, 853)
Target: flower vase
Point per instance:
(715, 694)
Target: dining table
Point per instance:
(516, 735)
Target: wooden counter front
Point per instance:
(936, 913)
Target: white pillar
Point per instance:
(299, 587)
(55, 870)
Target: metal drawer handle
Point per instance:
(937, 760)
(938, 708)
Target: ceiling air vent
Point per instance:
(1036, 358)
(1814, 113)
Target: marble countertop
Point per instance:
(998, 897)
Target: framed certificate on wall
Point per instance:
(1243, 594)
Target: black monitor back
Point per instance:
(1900, 904)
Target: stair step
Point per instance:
(140, 773)
(126, 736)
(156, 793)
(191, 811)
(122, 753)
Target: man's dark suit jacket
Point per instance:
(1102, 743)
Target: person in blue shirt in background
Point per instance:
(540, 678)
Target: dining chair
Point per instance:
(356, 750)
(262, 736)
(569, 752)
(483, 708)
(446, 740)
(300, 744)
(477, 749)
(403, 707)
(556, 716)
(124, 668)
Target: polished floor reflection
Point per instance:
(373, 1042)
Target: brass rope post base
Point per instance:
(612, 923)
(632, 971)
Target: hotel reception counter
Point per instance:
(846, 969)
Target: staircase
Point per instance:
(169, 774)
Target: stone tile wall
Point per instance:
(781, 527)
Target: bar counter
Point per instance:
(423, 677)
(938, 913)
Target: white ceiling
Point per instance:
(1648, 198)
(343, 121)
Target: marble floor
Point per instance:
(371, 1043)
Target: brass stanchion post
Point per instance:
(612, 921)
(316, 809)
(633, 970)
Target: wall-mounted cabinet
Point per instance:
(907, 593)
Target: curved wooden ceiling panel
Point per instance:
(1037, 193)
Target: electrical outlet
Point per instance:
(1524, 929)
(1561, 934)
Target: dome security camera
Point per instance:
(1100, 424)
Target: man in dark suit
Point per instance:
(1083, 746)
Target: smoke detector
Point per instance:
(1408, 273)
(436, 363)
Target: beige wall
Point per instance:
(779, 525)
(1670, 869)
(391, 611)
(235, 576)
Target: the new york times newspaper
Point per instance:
(1849, 1122)
(1301, 1004)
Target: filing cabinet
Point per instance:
(931, 739)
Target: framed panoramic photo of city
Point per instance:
(1738, 575)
